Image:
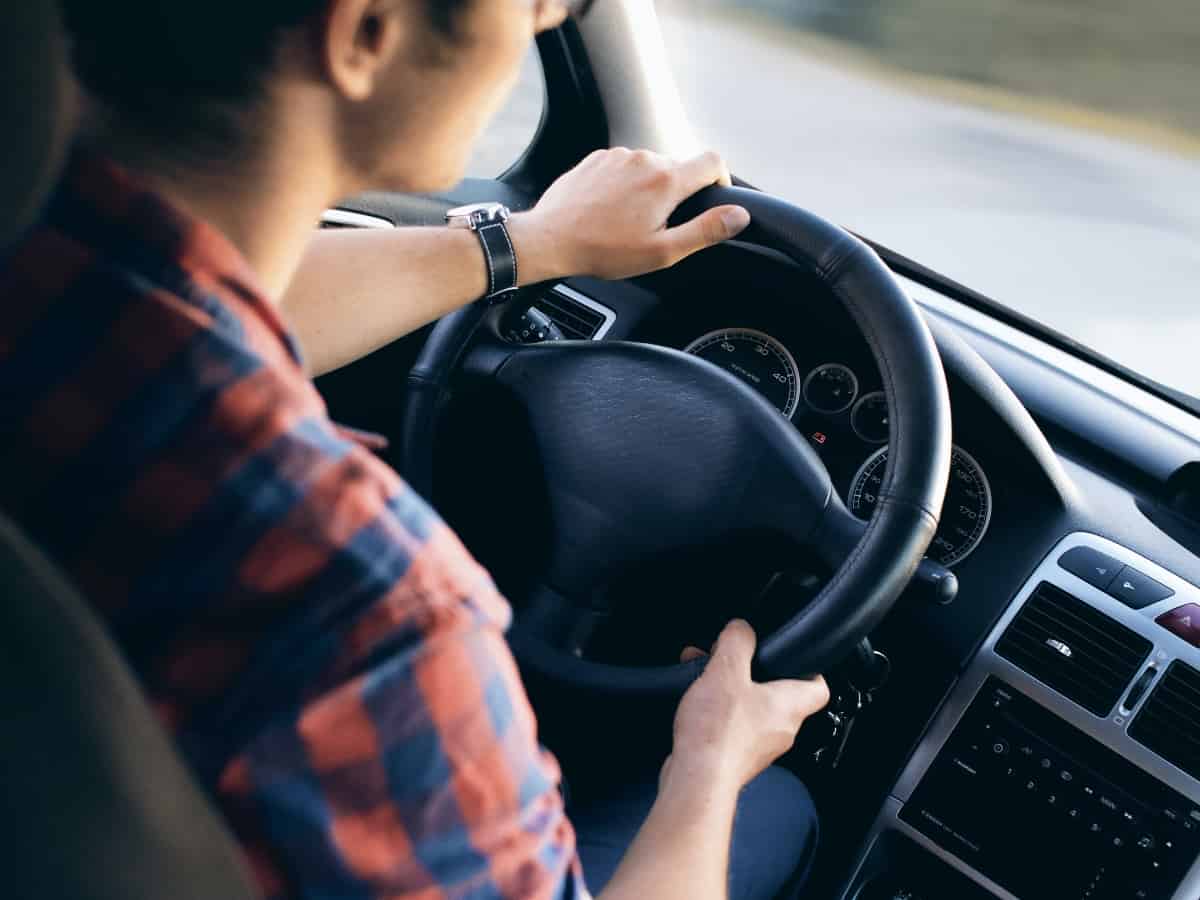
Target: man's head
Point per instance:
(401, 88)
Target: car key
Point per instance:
(872, 669)
(846, 707)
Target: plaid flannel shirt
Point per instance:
(329, 658)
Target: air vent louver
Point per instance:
(1169, 723)
(1075, 649)
(576, 321)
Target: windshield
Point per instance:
(1043, 152)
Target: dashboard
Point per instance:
(1011, 738)
(1089, 690)
(1060, 725)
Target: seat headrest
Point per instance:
(36, 102)
(100, 805)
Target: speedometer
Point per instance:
(757, 359)
(965, 514)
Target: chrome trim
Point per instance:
(345, 218)
(1111, 731)
(610, 316)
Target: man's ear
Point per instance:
(359, 40)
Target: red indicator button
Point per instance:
(1184, 622)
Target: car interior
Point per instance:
(986, 537)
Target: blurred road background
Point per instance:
(1044, 152)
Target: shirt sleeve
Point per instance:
(374, 737)
(410, 767)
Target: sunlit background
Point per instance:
(1044, 152)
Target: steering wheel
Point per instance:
(646, 450)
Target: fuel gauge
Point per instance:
(831, 388)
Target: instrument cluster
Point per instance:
(845, 423)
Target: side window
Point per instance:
(515, 126)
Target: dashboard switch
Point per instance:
(1096, 568)
(1138, 691)
(1136, 590)
(1184, 622)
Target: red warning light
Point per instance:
(820, 437)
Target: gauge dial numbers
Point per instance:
(966, 513)
(831, 389)
(757, 359)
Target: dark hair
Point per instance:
(178, 69)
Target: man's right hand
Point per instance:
(729, 728)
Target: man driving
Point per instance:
(329, 658)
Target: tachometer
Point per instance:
(758, 359)
(965, 514)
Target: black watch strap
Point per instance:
(501, 260)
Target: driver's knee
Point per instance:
(774, 837)
(774, 834)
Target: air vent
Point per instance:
(579, 318)
(1075, 649)
(1169, 723)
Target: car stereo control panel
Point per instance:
(1015, 782)
(1066, 762)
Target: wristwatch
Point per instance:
(488, 220)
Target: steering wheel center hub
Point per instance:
(650, 449)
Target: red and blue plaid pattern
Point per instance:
(328, 655)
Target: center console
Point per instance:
(1065, 765)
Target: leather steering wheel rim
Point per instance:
(879, 560)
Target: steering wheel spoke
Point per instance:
(563, 623)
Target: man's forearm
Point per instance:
(356, 291)
(682, 849)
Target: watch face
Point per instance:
(480, 213)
